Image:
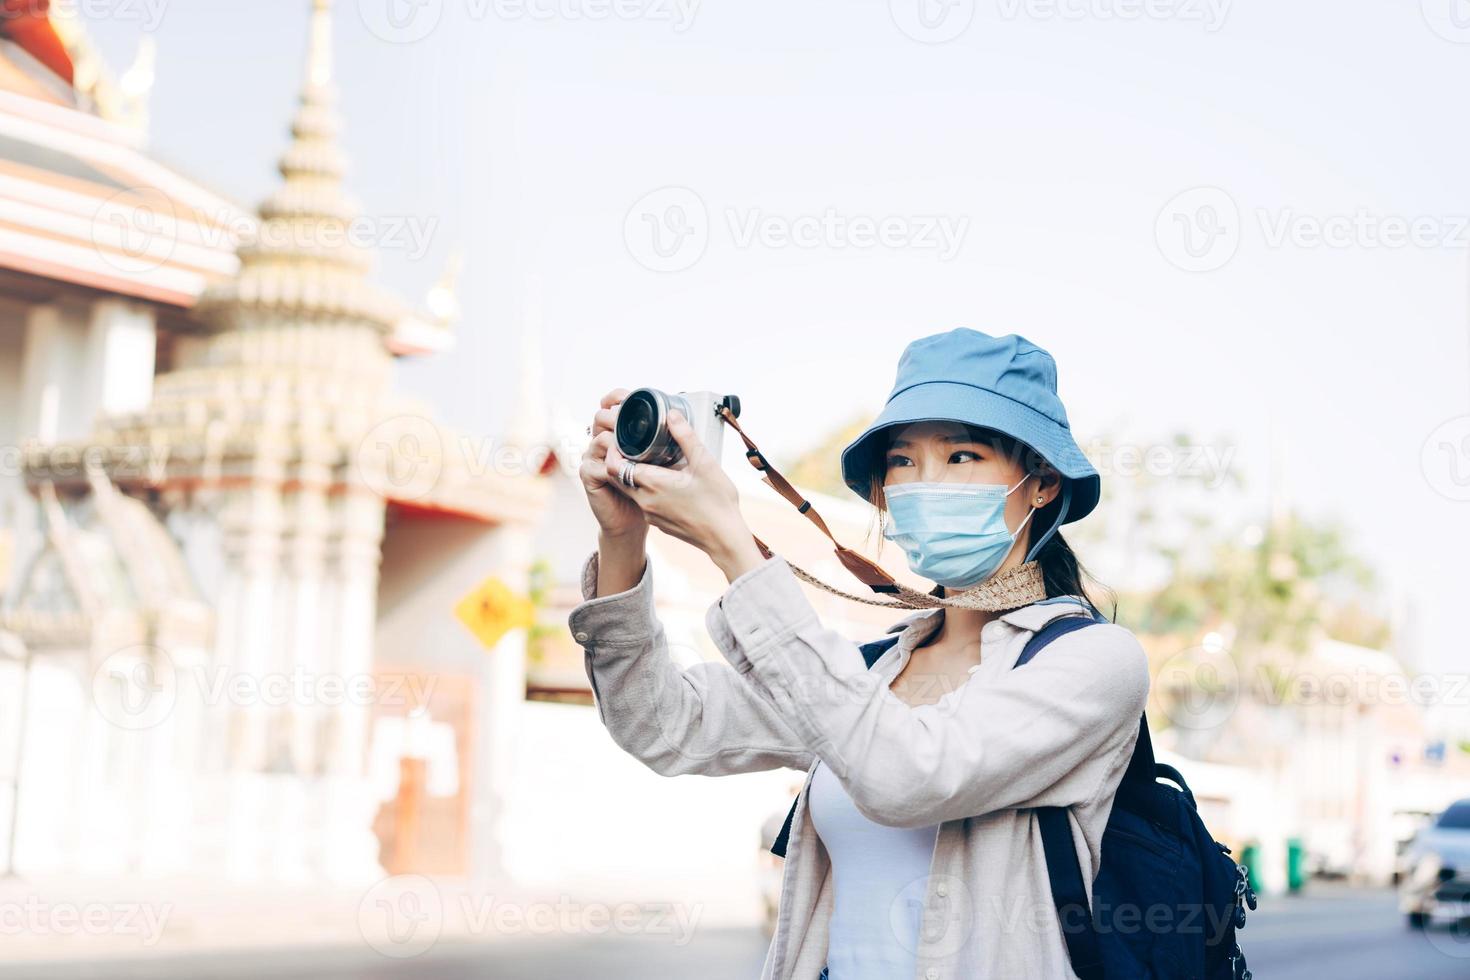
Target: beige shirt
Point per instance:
(1058, 732)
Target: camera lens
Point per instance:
(637, 423)
(643, 427)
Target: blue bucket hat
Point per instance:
(1006, 384)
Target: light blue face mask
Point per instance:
(954, 534)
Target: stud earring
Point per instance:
(1038, 501)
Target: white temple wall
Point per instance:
(18, 536)
(53, 406)
(121, 344)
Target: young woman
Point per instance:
(914, 852)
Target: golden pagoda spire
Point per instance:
(311, 254)
(319, 55)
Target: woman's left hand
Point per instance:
(697, 504)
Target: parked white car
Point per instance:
(1434, 886)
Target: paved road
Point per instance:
(1340, 934)
(1331, 933)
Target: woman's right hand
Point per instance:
(618, 517)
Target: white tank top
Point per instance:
(880, 876)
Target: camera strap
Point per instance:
(1017, 587)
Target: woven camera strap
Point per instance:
(1012, 589)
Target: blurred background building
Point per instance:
(208, 479)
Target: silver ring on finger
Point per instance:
(626, 475)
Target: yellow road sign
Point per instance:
(492, 610)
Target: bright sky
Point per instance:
(845, 186)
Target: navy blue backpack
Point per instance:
(1167, 898)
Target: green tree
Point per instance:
(1277, 589)
(819, 469)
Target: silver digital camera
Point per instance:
(643, 423)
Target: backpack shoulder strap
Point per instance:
(871, 651)
(1068, 890)
(1058, 627)
(875, 649)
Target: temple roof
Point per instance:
(27, 25)
(107, 559)
(82, 204)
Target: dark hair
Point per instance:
(1061, 571)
